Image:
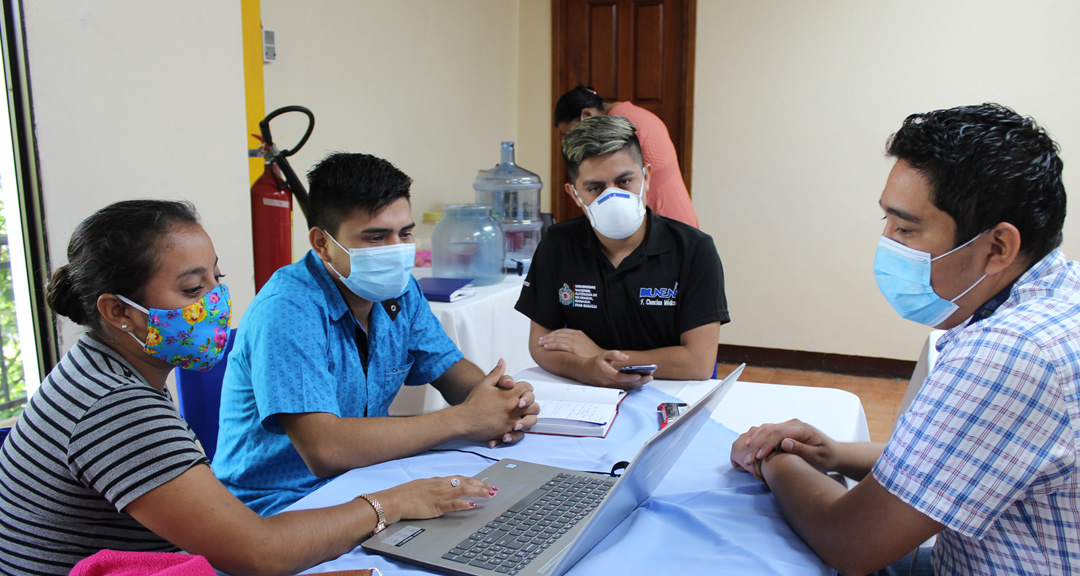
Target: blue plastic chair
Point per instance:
(199, 394)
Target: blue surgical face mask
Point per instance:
(903, 276)
(378, 273)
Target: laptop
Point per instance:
(547, 518)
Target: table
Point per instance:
(485, 328)
(705, 512)
(837, 413)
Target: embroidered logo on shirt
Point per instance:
(580, 296)
(658, 296)
(566, 295)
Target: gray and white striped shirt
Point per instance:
(94, 438)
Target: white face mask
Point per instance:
(616, 213)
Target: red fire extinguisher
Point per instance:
(271, 201)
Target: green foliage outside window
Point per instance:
(12, 381)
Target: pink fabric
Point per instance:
(667, 194)
(115, 563)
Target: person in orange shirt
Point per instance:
(667, 191)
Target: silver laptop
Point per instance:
(546, 518)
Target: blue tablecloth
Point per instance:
(704, 518)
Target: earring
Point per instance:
(123, 326)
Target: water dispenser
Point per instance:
(514, 196)
(469, 243)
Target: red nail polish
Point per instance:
(472, 504)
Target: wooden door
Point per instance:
(640, 51)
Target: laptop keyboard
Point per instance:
(527, 528)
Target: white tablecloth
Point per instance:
(837, 413)
(485, 328)
(735, 520)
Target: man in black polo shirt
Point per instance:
(621, 286)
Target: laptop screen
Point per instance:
(645, 472)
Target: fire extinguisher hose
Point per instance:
(279, 157)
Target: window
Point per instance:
(27, 330)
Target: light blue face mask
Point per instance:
(378, 273)
(903, 276)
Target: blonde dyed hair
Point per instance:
(599, 136)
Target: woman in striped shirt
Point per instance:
(101, 459)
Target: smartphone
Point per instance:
(642, 369)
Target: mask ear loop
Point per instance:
(974, 238)
(641, 192)
(584, 207)
(977, 282)
(969, 289)
(346, 250)
(140, 309)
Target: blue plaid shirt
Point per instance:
(989, 446)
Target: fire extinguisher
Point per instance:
(271, 201)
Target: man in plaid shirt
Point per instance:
(986, 457)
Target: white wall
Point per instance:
(136, 99)
(431, 86)
(793, 104)
(794, 101)
(535, 107)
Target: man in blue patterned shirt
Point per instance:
(986, 457)
(328, 342)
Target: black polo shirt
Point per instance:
(672, 283)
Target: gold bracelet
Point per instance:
(378, 511)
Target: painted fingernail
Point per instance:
(492, 493)
(495, 488)
(521, 404)
(519, 426)
(472, 504)
(508, 438)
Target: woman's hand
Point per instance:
(431, 497)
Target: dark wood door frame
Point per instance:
(562, 205)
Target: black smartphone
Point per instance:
(642, 369)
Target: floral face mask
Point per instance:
(193, 337)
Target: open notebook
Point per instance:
(574, 409)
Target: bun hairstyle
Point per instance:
(570, 105)
(113, 252)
